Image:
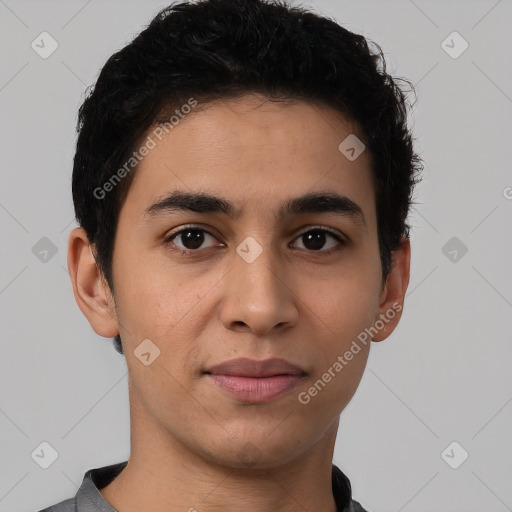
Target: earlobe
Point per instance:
(393, 295)
(92, 294)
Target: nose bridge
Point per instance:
(258, 295)
(258, 265)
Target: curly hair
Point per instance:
(212, 49)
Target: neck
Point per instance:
(163, 474)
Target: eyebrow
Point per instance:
(319, 202)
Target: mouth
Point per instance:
(252, 381)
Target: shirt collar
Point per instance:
(89, 498)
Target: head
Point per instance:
(233, 117)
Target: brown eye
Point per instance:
(189, 239)
(316, 239)
(192, 238)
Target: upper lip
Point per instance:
(245, 367)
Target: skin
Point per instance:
(189, 440)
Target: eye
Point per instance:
(191, 238)
(314, 239)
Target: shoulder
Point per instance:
(342, 491)
(355, 506)
(88, 497)
(64, 506)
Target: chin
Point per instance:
(263, 450)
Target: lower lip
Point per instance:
(256, 389)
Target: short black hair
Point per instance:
(222, 49)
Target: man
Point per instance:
(242, 180)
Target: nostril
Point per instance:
(240, 326)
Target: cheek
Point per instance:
(340, 313)
(341, 335)
(346, 302)
(151, 306)
(164, 303)
(341, 309)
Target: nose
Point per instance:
(259, 296)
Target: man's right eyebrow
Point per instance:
(194, 201)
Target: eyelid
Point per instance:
(333, 232)
(184, 227)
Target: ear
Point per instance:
(91, 291)
(393, 293)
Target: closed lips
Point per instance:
(245, 367)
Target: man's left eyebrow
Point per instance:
(324, 202)
(203, 203)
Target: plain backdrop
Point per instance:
(442, 377)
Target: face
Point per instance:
(255, 274)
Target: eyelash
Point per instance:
(168, 240)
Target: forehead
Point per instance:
(257, 153)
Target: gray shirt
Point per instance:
(89, 499)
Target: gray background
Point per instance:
(443, 376)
